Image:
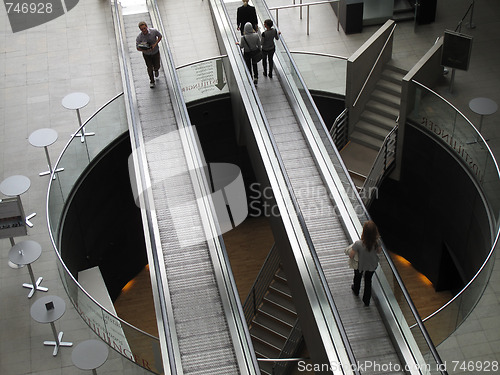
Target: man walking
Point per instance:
(147, 43)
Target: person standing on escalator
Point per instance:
(246, 13)
(367, 249)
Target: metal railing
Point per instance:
(261, 284)
(454, 130)
(339, 130)
(292, 344)
(307, 5)
(383, 163)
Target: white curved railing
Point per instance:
(455, 131)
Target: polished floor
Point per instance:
(77, 52)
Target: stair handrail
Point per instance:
(374, 65)
(384, 161)
(338, 131)
(261, 284)
(292, 343)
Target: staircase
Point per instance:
(377, 119)
(273, 323)
(404, 10)
(381, 111)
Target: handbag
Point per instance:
(351, 262)
(256, 54)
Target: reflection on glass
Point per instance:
(108, 123)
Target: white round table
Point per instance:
(14, 186)
(23, 254)
(77, 101)
(90, 354)
(483, 107)
(44, 138)
(47, 310)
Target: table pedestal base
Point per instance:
(57, 343)
(36, 287)
(49, 172)
(84, 134)
(15, 266)
(28, 222)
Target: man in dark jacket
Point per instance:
(246, 13)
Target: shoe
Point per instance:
(265, 74)
(157, 73)
(255, 80)
(152, 85)
(353, 291)
(270, 74)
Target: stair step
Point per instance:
(280, 274)
(283, 315)
(280, 301)
(382, 109)
(386, 98)
(389, 87)
(265, 351)
(276, 325)
(280, 286)
(394, 70)
(266, 368)
(378, 119)
(371, 129)
(366, 140)
(267, 336)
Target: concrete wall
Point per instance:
(359, 66)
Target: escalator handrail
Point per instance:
(300, 216)
(394, 270)
(223, 274)
(165, 333)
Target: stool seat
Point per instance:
(75, 100)
(43, 137)
(25, 252)
(90, 354)
(15, 185)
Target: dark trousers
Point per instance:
(367, 293)
(268, 56)
(152, 63)
(251, 64)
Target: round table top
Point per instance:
(40, 313)
(90, 354)
(43, 137)
(15, 185)
(75, 100)
(25, 252)
(483, 106)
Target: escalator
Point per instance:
(200, 320)
(197, 308)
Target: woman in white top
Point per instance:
(367, 249)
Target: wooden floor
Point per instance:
(247, 247)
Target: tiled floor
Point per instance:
(77, 52)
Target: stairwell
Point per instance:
(274, 322)
(377, 119)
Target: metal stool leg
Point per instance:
(58, 340)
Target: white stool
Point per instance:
(44, 138)
(76, 101)
(47, 310)
(23, 254)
